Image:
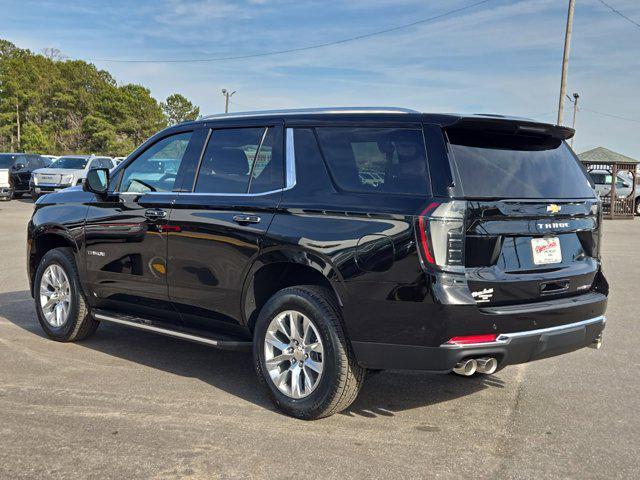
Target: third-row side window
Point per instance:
(382, 160)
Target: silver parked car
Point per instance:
(624, 186)
(66, 171)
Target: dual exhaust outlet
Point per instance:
(489, 365)
(468, 367)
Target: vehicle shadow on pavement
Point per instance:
(382, 395)
(385, 393)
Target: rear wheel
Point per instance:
(16, 195)
(62, 310)
(638, 206)
(302, 355)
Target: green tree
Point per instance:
(178, 109)
(69, 106)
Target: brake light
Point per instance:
(471, 339)
(422, 230)
(440, 232)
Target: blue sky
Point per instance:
(500, 57)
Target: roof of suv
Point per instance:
(394, 113)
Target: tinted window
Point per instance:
(73, 163)
(497, 165)
(34, 162)
(267, 173)
(6, 160)
(157, 167)
(101, 163)
(385, 160)
(240, 160)
(600, 178)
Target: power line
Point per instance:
(614, 10)
(610, 115)
(302, 49)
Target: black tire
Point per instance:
(16, 195)
(79, 324)
(638, 205)
(341, 378)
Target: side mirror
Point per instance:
(97, 181)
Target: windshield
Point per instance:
(497, 165)
(75, 163)
(6, 159)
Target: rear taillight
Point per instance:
(440, 234)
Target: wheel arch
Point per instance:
(46, 239)
(269, 275)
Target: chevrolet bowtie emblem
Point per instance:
(553, 208)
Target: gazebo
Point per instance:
(603, 159)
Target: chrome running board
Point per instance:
(227, 343)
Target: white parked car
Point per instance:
(6, 161)
(67, 171)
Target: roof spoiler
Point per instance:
(513, 125)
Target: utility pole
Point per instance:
(565, 61)
(227, 95)
(575, 111)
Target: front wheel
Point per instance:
(16, 195)
(62, 310)
(302, 355)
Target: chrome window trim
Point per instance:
(505, 338)
(290, 160)
(290, 177)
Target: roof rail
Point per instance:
(308, 111)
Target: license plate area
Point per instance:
(546, 250)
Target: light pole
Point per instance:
(575, 111)
(565, 61)
(227, 95)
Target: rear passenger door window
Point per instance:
(240, 161)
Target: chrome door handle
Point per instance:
(155, 214)
(246, 219)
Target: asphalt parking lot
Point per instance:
(130, 404)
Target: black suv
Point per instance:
(20, 169)
(331, 242)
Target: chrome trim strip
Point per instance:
(290, 159)
(163, 331)
(290, 177)
(505, 338)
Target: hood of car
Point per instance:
(58, 171)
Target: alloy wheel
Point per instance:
(294, 354)
(55, 295)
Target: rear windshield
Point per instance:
(74, 163)
(6, 160)
(494, 165)
(376, 160)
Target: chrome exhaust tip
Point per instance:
(597, 342)
(466, 368)
(487, 365)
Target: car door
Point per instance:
(125, 235)
(216, 229)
